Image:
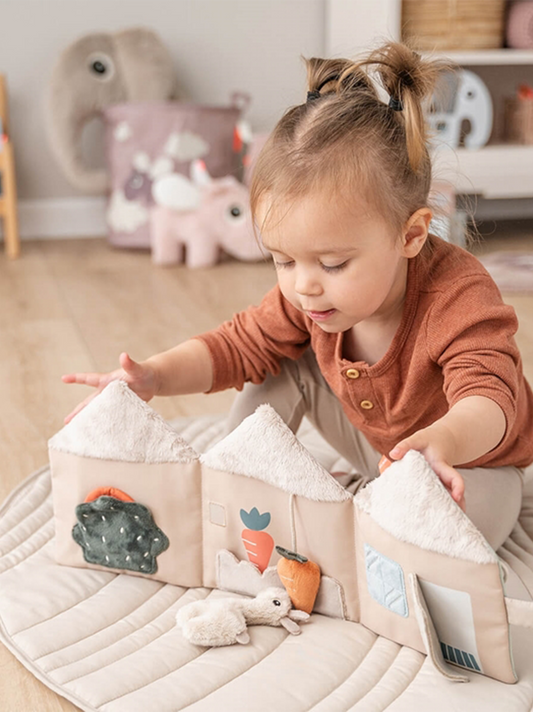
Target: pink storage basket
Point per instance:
(147, 140)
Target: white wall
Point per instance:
(218, 46)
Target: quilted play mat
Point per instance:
(108, 642)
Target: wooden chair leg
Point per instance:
(9, 194)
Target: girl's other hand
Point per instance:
(140, 377)
(434, 443)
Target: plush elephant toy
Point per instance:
(92, 73)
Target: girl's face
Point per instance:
(339, 266)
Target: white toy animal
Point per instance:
(224, 621)
(471, 101)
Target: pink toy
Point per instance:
(520, 25)
(193, 220)
(148, 140)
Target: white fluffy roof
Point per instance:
(263, 447)
(118, 425)
(409, 501)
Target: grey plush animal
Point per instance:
(92, 73)
(224, 621)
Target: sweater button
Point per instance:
(352, 373)
(366, 404)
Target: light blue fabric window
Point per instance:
(385, 581)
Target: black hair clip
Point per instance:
(312, 95)
(395, 104)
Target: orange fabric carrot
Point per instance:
(300, 577)
(258, 543)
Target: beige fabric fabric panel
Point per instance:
(246, 492)
(174, 513)
(108, 642)
(489, 624)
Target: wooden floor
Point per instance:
(74, 305)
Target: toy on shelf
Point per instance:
(192, 221)
(400, 556)
(461, 97)
(91, 74)
(519, 116)
(520, 25)
(225, 621)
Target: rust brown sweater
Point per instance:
(455, 339)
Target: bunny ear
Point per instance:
(296, 615)
(290, 625)
(199, 173)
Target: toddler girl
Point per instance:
(385, 336)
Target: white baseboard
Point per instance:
(85, 217)
(62, 218)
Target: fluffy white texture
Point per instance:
(118, 425)
(409, 501)
(263, 447)
(223, 621)
(212, 623)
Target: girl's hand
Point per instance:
(140, 377)
(436, 444)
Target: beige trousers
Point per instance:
(493, 496)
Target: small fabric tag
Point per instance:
(217, 514)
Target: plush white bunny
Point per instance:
(224, 621)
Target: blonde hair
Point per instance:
(346, 140)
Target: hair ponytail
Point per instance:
(343, 75)
(409, 80)
(347, 141)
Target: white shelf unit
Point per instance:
(488, 57)
(499, 171)
(494, 171)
